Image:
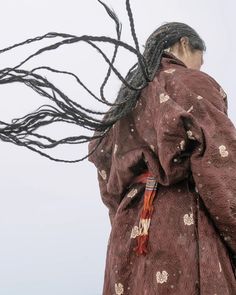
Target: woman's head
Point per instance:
(178, 38)
(192, 58)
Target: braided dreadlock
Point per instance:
(24, 131)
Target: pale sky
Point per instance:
(53, 225)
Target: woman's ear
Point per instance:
(184, 46)
(184, 41)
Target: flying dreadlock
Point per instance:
(24, 131)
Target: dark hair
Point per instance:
(24, 131)
(162, 38)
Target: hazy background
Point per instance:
(53, 225)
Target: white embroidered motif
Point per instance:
(135, 232)
(190, 135)
(103, 174)
(162, 276)
(199, 97)
(182, 145)
(115, 148)
(169, 71)
(223, 151)
(188, 219)
(222, 93)
(132, 193)
(164, 97)
(119, 288)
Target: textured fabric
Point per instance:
(179, 130)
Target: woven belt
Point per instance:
(147, 210)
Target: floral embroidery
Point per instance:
(223, 151)
(188, 219)
(135, 232)
(169, 71)
(199, 97)
(162, 276)
(103, 174)
(164, 97)
(190, 135)
(222, 93)
(132, 193)
(119, 288)
(115, 148)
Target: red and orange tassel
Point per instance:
(147, 211)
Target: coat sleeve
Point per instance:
(195, 134)
(102, 160)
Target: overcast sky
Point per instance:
(53, 226)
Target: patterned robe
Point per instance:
(180, 131)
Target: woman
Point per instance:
(165, 155)
(167, 173)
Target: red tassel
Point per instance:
(141, 248)
(145, 218)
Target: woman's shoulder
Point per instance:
(197, 78)
(194, 80)
(183, 83)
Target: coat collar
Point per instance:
(169, 59)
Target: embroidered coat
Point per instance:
(180, 131)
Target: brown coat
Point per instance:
(180, 130)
